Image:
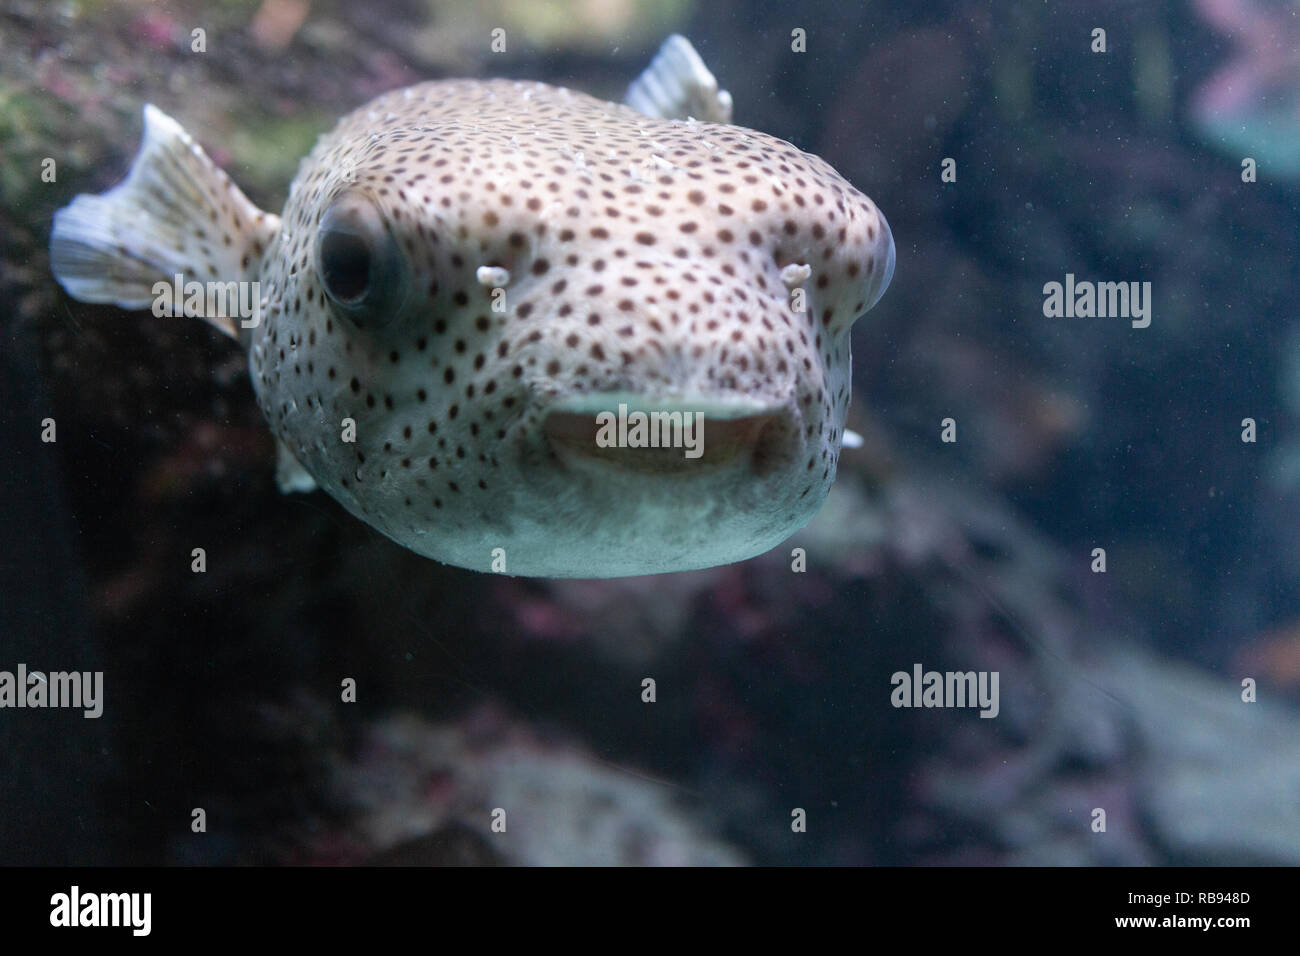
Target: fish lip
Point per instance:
(738, 432)
(721, 406)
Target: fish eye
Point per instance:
(345, 265)
(358, 261)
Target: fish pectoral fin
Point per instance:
(677, 85)
(176, 214)
(290, 476)
(852, 439)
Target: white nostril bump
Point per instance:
(796, 273)
(494, 277)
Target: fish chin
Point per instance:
(602, 522)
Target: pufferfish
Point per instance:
(468, 274)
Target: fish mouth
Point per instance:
(671, 436)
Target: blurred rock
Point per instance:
(413, 781)
(1250, 106)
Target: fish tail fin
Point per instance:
(176, 214)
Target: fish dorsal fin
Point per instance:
(176, 213)
(677, 85)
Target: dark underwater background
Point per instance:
(1120, 691)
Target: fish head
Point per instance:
(470, 278)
